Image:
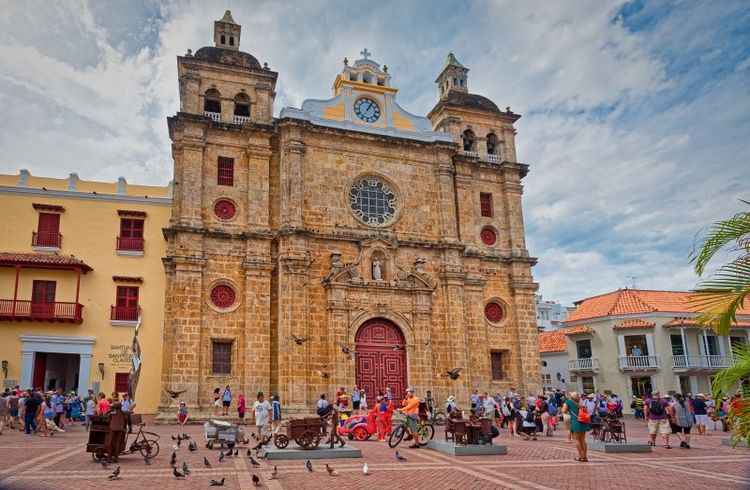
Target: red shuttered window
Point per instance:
(485, 202)
(131, 234)
(126, 306)
(226, 171)
(48, 231)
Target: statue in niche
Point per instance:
(377, 271)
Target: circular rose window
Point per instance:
(494, 312)
(489, 237)
(223, 296)
(373, 201)
(225, 209)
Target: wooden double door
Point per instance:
(381, 359)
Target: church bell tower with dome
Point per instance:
(346, 241)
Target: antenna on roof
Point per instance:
(632, 282)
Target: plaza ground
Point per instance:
(61, 462)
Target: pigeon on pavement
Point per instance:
(173, 459)
(365, 470)
(206, 463)
(331, 471)
(254, 462)
(185, 468)
(221, 456)
(115, 474)
(274, 473)
(176, 473)
(399, 457)
(216, 483)
(308, 466)
(256, 480)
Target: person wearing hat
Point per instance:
(450, 405)
(700, 410)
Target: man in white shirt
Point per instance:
(262, 410)
(590, 404)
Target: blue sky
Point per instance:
(636, 114)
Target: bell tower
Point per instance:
(453, 77)
(227, 32)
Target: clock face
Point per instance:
(367, 110)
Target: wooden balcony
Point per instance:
(130, 244)
(25, 310)
(46, 239)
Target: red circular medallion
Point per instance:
(222, 296)
(224, 209)
(493, 312)
(488, 236)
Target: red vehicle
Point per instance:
(359, 427)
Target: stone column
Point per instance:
(342, 366)
(467, 203)
(182, 325)
(446, 199)
(421, 365)
(27, 369)
(293, 370)
(190, 100)
(526, 352)
(258, 192)
(188, 156)
(479, 349)
(256, 359)
(84, 372)
(292, 155)
(452, 279)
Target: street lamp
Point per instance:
(101, 370)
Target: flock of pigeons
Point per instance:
(183, 471)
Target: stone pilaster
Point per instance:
(189, 178)
(446, 200)
(452, 281)
(292, 155)
(255, 361)
(476, 328)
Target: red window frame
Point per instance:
(127, 296)
(121, 382)
(225, 174)
(485, 204)
(221, 359)
(131, 228)
(43, 292)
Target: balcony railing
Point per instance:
(585, 364)
(488, 157)
(130, 244)
(215, 116)
(637, 363)
(701, 362)
(46, 239)
(240, 119)
(125, 313)
(27, 310)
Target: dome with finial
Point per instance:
(226, 48)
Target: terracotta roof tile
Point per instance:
(552, 341)
(38, 259)
(634, 323)
(682, 321)
(634, 301)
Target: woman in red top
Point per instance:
(102, 408)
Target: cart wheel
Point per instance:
(359, 433)
(97, 455)
(307, 440)
(149, 449)
(281, 441)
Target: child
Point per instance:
(182, 415)
(90, 411)
(241, 408)
(276, 413)
(102, 408)
(261, 408)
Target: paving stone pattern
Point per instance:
(32, 462)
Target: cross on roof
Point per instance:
(365, 54)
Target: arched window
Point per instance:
(491, 144)
(469, 140)
(242, 105)
(223, 39)
(212, 101)
(231, 40)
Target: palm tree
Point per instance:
(718, 299)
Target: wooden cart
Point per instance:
(306, 432)
(145, 442)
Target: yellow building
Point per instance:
(80, 266)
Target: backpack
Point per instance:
(656, 408)
(530, 416)
(552, 409)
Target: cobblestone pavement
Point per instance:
(31, 462)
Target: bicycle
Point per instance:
(437, 417)
(425, 431)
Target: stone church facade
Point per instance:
(346, 241)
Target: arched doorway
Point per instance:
(381, 358)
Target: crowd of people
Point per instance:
(34, 411)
